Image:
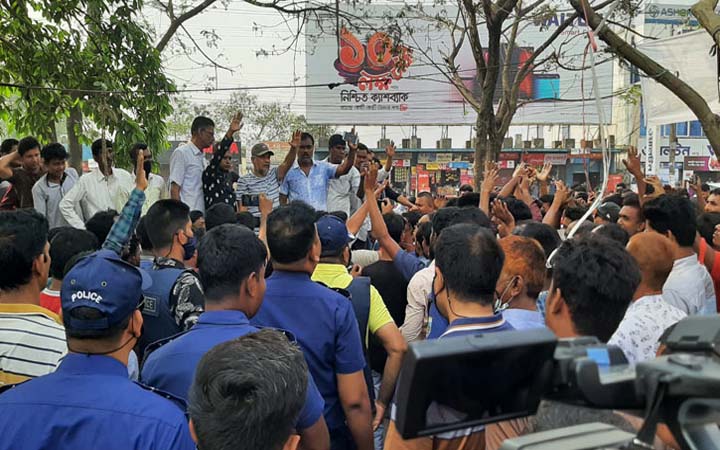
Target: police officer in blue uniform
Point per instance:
(89, 402)
(323, 322)
(232, 270)
(175, 300)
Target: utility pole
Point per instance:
(673, 151)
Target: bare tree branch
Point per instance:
(202, 52)
(697, 104)
(175, 22)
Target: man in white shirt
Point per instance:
(104, 188)
(50, 189)
(341, 189)
(689, 286)
(156, 189)
(648, 316)
(188, 163)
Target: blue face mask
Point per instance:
(189, 247)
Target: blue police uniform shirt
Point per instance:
(324, 324)
(468, 326)
(171, 368)
(409, 264)
(89, 403)
(438, 323)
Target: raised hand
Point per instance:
(371, 178)
(296, 138)
(545, 172)
(390, 150)
(696, 185)
(353, 142)
(381, 187)
(490, 177)
(502, 217)
(522, 191)
(520, 169)
(236, 124)
(632, 163)
(562, 193)
(387, 206)
(657, 185)
(141, 181)
(591, 197)
(265, 205)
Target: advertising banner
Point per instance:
(381, 70)
(534, 159)
(556, 159)
(701, 164)
(423, 182)
(687, 57)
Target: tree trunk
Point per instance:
(704, 12)
(74, 130)
(697, 104)
(487, 147)
(53, 131)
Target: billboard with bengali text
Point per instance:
(382, 71)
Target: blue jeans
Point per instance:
(379, 434)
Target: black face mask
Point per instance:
(148, 166)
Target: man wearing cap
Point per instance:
(265, 179)
(369, 306)
(232, 261)
(608, 212)
(341, 189)
(308, 181)
(89, 402)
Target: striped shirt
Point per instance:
(251, 184)
(32, 342)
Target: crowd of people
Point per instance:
(273, 310)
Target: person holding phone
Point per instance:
(341, 189)
(264, 179)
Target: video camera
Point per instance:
(464, 382)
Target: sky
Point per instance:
(244, 30)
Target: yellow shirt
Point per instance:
(337, 276)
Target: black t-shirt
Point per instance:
(392, 286)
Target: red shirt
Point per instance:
(50, 299)
(715, 272)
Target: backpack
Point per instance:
(358, 292)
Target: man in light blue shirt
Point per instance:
(308, 181)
